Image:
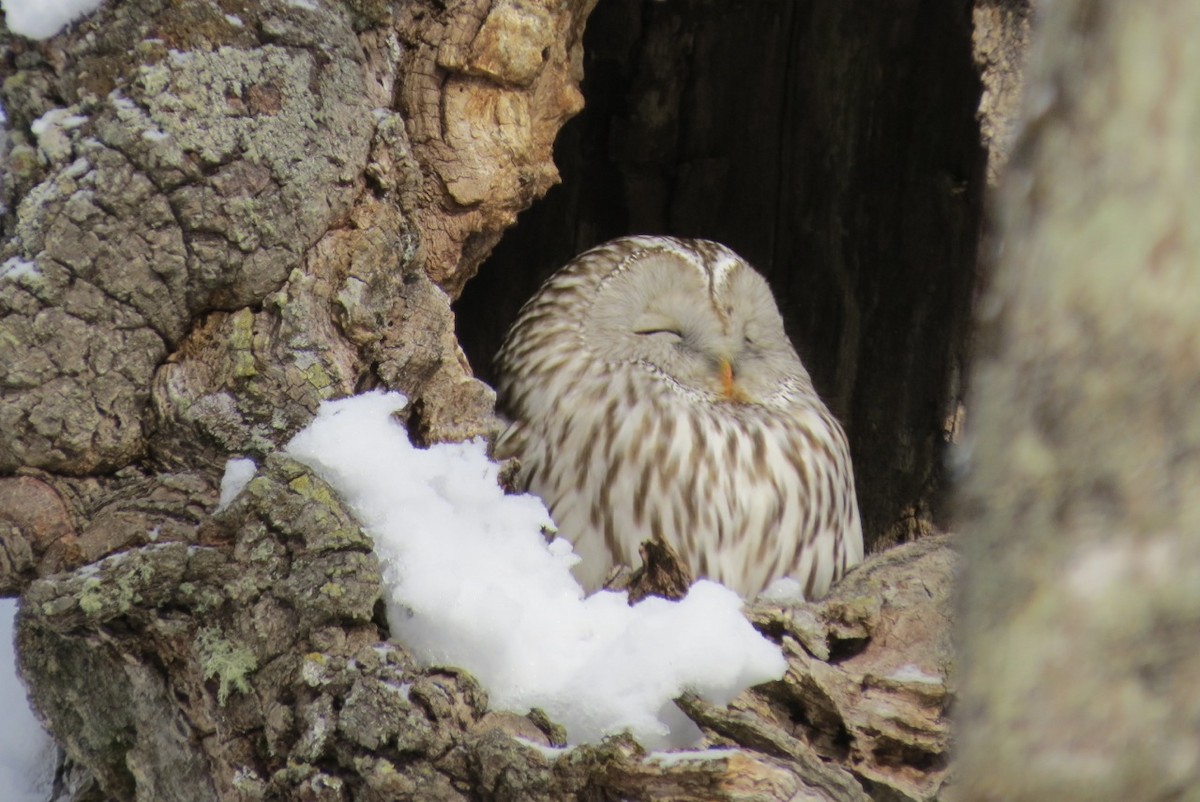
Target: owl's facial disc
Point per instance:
(724, 342)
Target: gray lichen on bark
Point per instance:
(196, 183)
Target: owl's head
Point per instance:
(698, 316)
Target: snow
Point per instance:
(784, 590)
(548, 752)
(669, 759)
(26, 752)
(471, 581)
(51, 132)
(41, 19)
(238, 473)
(910, 672)
(14, 268)
(56, 117)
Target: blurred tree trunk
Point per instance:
(222, 216)
(1082, 598)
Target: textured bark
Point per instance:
(1001, 41)
(484, 93)
(247, 665)
(215, 228)
(871, 676)
(1082, 669)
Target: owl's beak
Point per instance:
(729, 389)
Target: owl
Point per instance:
(653, 394)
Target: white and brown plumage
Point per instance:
(654, 394)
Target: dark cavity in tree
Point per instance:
(835, 147)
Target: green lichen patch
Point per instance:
(229, 663)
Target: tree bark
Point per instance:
(225, 217)
(1082, 596)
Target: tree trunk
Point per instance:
(227, 215)
(1082, 677)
